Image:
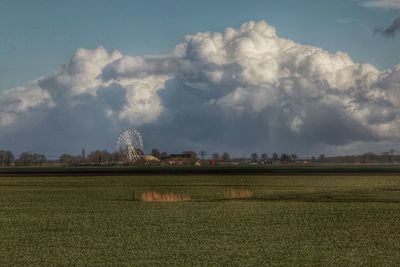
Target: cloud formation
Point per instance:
(241, 90)
(384, 4)
(392, 30)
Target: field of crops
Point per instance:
(280, 220)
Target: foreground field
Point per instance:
(289, 221)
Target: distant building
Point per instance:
(180, 159)
(150, 158)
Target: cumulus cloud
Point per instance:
(383, 4)
(240, 90)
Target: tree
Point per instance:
(116, 156)
(6, 158)
(9, 158)
(39, 159)
(156, 153)
(99, 157)
(164, 155)
(264, 157)
(68, 160)
(254, 157)
(215, 156)
(191, 153)
(275, 157)
(106, 156)
(285, 158)
(25, 158)
(2, 157)
(28, 158)
(321, 158)
(95, 157)
(391, 152)
(83, 153)
(225, 156)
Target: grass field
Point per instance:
(289, 220)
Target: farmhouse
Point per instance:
(150, 158)
(180, 159)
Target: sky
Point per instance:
(73, 74)
(39, 36)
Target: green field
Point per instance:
(291, 220)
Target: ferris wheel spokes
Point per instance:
(130, 145)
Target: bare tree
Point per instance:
(225, 156)
(6, 158)
(264, 157)
(100, 157)
(83, 154)
(215, 156)
(254, 157)
(28, 158)
(156, 153)
(191, 153)
(285, 158)
(69, 160)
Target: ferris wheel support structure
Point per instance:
(130, 145)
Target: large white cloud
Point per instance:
(245, 89)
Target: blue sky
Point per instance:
(39, 36)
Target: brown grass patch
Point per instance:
(237, 193)
(153, 196)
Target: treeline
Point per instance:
(385, 157)
(368, 158)
(103, 157)
(97, 157)
(6, 158)
(262, 158)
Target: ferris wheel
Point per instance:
(130, 145)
